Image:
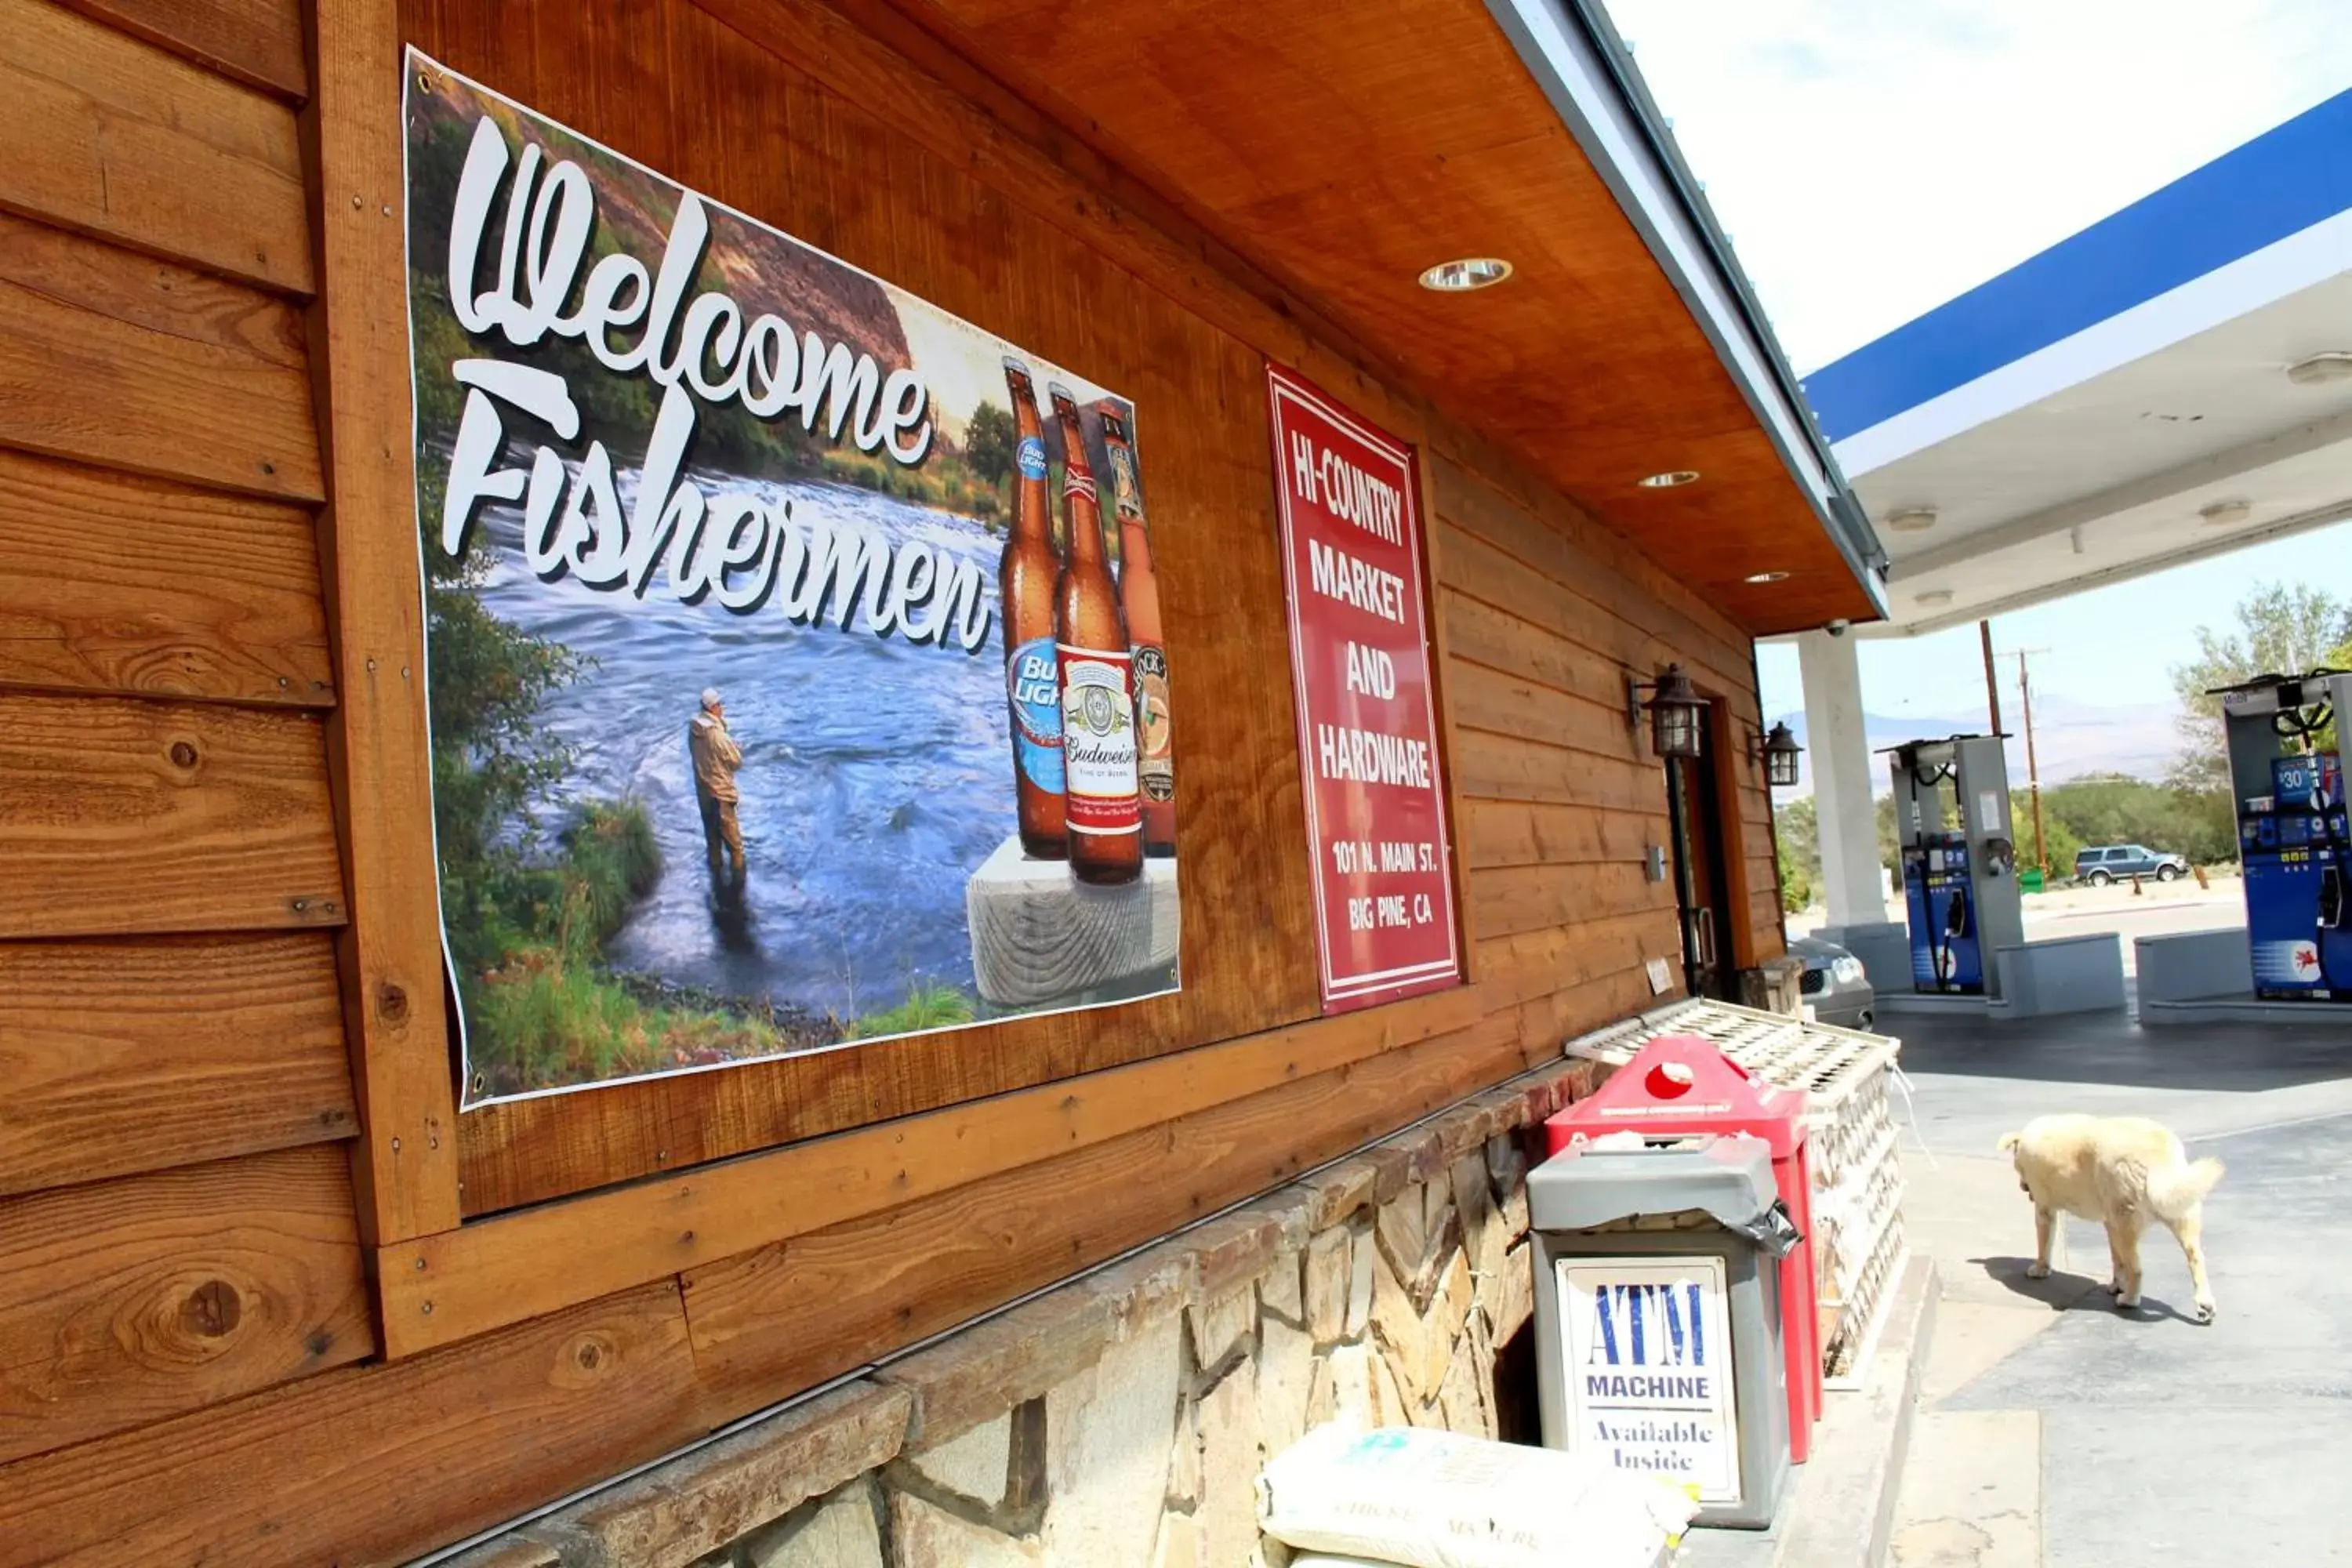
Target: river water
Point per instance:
(877, 775)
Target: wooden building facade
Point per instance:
(267, 1296)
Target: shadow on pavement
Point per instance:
(2064, 1292)
(2111, 1048)
(2058, 1292)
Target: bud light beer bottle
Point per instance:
(1105, 811)
(1026, 577)
(1138, 600)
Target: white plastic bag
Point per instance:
(1425, 1499)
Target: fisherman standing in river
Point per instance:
(716, 757)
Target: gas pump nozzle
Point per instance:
(1955, 914)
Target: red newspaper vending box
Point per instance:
(1680, 1084)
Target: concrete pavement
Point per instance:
(2055, 1432)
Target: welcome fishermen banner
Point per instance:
(794, 680)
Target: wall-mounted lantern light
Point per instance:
(1676, 709)
(1778, 752)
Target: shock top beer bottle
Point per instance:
(1028, 576)
(1104, 811)
(1139, 599)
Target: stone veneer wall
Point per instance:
(1121, 1418)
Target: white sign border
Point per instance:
(1716, 1320)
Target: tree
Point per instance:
(2283, 630)
(1796, 832)
(989, 442)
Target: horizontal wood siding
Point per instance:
(119, 816)
(372, 1465)
(182, 1252)
(1546, 617)
(126, 1302)
(114, 584)
(257, 42)
(118, 138)
(120, 1057)
(177, 1231)
(130, 362)
(794, 1313)
(441, 1288)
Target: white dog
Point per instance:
(2125, 1172)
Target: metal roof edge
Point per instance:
(2254, 198)
(1587, 72)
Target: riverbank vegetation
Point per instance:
(927, 1006)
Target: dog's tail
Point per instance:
(2009, 1140)
(2174, 1191)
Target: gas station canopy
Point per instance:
(2173, 382)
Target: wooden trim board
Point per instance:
(405, 1167)
(446, 1287)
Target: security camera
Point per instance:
(1837, 628)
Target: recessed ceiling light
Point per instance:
(1470, 272)
(1912, 519)
(1765, 577)
(2223, 513)
(2334, 365)
(1670, 479)
(1932, 597)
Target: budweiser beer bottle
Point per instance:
(1139, 599)
(1105, 813)
(1027, 576)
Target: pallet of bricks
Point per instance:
(1858, 1241)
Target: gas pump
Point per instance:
(1960, 859)
(2291, 834)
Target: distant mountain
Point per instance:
(2071, 738)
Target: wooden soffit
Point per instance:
(1343, 149)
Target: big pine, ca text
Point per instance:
(738, 549)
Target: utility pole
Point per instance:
(1992, 686)
(2032, 767)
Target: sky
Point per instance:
(1871, 159)
(2112, 646)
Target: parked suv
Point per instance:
(2107, 862)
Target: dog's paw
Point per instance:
(2114, 1289)
(2127, 1303)
(2207, 1311)
(2037, 1271)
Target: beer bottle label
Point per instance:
(1033, 679)
(1032, 457)
(1098, 741)
(1126, 496)
(1156, 742)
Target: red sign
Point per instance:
(1367, 723)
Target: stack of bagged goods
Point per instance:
(1396, 1498)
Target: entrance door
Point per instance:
(1695, 809)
